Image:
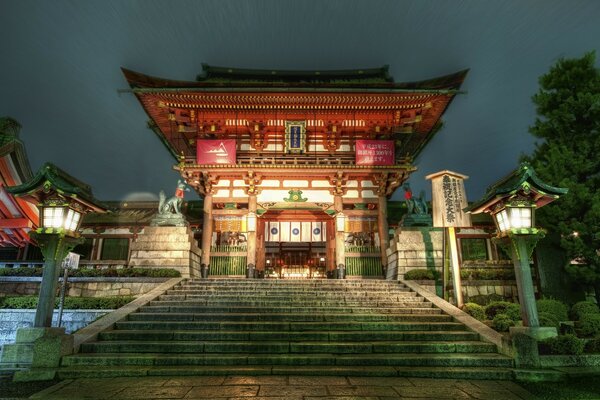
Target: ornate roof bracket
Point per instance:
(338, 181)
(252, 179)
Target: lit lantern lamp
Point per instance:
(512, 202)
(62, 201)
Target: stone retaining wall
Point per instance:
(415, 248)
(72, 320)
(506, 289)
(83, 287)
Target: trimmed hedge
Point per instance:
(474, 310)
(21, 271)
(549, 320)
(592, 346)
(583, 307)
(71, 303)
(557, 308)
(420, 274)
(503, 274)
(100, 273)
(502, 322)
(589, 325)
(512, 310)
(562, 344)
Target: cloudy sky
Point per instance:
(60, 71)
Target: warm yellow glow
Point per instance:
(520, 217)
(53, 217)
(502, 218)
(72, 220)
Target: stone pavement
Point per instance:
(282, 388)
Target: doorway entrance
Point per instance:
(295, 244)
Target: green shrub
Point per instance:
(97, 273)
(562, 344)
(554, 307)
(549, 320)
(502, 322)
(512, 310)
(72, 303)
(474, 310)
(589, 325)
(583, 307)
(21, 271)
(419, 274)
(484, 300)
(488, 273)
(592, 346)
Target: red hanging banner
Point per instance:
(374, 152)
(215, 151)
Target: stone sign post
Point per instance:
(448, 199)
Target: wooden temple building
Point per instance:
(295, 167)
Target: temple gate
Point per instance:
(295, 167)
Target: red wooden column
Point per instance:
(251, 257)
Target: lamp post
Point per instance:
(512, 202)
(62, 201)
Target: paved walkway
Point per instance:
(283, 388)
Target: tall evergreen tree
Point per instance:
(568, 155)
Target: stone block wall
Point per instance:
(414, 247)
(72, 320)
(167, 247)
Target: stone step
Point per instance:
(337, 336)
(488, 373)
(289, 317)
(285, 347)
(272, 303)
(333, 290)
(387, 359)
(283, 309)
(291, 326)
(289, 298)
(294, 293)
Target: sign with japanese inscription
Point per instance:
(374, 152)
(449, 199)
(295, 136)
(215, 151)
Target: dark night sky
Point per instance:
(60, 71)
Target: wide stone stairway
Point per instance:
(289, 327)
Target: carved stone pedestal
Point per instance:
(167, 247)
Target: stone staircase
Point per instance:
(289, 327)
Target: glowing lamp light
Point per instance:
(514, 217)
(340, 222)
(60, 216)
(251, 222)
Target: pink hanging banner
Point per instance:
(374, 152)
(215, 151)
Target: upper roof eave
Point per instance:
(137, 80)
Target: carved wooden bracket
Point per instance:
(338, 181)
(252, 180)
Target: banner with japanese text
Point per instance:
(215, 151)
(374, 152)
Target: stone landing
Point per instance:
(167, 247)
